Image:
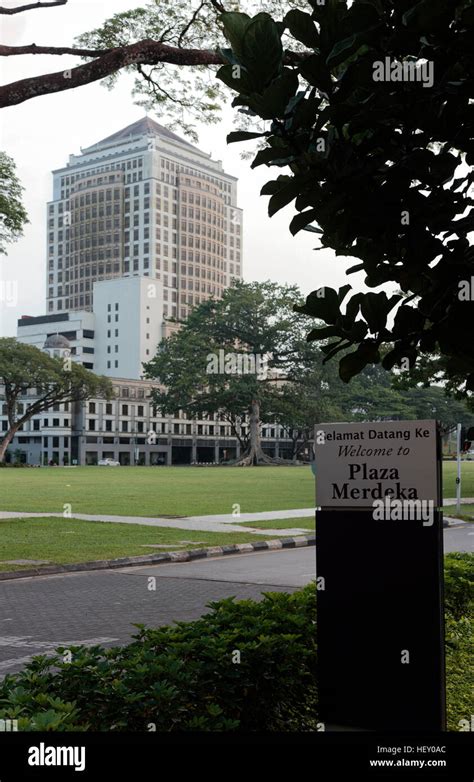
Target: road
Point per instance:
(38, 614)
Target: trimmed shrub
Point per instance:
(459, 584)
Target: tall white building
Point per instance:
(142, 202)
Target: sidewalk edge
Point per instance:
(165, 558)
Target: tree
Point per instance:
(24, 368)
(235, 357)
(373, 395)
(320, 398)
(379, 158)
(433, 403)
(12, 212)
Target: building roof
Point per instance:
(142, 127)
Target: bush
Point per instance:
(459, 604)
(459, 635)
(183, 677)
(459, 584)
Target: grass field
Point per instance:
(61, 541)
(467, 512)
(160, 491)
(305, 522)
(172, 491)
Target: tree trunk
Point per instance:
(255, 455)
(6, 441)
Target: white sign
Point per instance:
(361, 463)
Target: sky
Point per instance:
(41, 133)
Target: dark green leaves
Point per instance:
(428, 15)
(302, 27)
(375, 308)
(262, 51)
(354, 363)
(283, 190)
(242, 135)
(342, 50)
(323, 303)
(237, 78)
(256, 43)
(302, 220)
(275, 98)
(235, 25)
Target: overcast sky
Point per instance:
(41, 133)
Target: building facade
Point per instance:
(142, 202)
(128, 429)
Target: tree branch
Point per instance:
(31, 7)
(7, 51)
(156, 88)
(218, 6)
(107, 62)
(147, 52)
(190, 23)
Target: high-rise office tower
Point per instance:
(143, 202)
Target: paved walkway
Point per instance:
(217, 523)
(220, 523)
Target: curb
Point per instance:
(165, 558)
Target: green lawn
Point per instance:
(62, 541)
(467, 512)
(171, 491)
(159, 491)
(306, 522)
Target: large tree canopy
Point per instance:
(24, 368)
(12, 212)
(240, 356)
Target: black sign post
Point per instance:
(379, 555)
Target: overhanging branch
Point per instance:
(106, 62)
(147, 52)
(31, 7)
(32, 48)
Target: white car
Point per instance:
(108, 463)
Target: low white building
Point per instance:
(77, 327)
(128, 429)
(121, 333)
